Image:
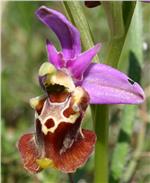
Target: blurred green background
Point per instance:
(23, 51)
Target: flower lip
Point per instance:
(59, 141)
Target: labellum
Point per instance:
(59, 141)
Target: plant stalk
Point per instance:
(70, 176)
(101, 148)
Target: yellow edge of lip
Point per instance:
(45, 163)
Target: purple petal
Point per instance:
(78, 66)
(106, 85)
(67, 34)
(53, 56)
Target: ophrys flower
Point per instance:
(70, 82)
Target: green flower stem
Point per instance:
(101, 148)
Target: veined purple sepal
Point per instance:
(67, 34)
(106, 85)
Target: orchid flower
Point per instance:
(70, 83)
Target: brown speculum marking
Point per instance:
(64, 107)
(60, 118)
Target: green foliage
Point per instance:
(119, 160)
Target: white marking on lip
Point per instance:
(55, 111)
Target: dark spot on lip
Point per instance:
(49, 123)
(131, 81)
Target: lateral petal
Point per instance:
(78, 66)
(54, 57)
(67, 34)
(106, 85)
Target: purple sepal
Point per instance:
(106, 85)
(67, 34)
